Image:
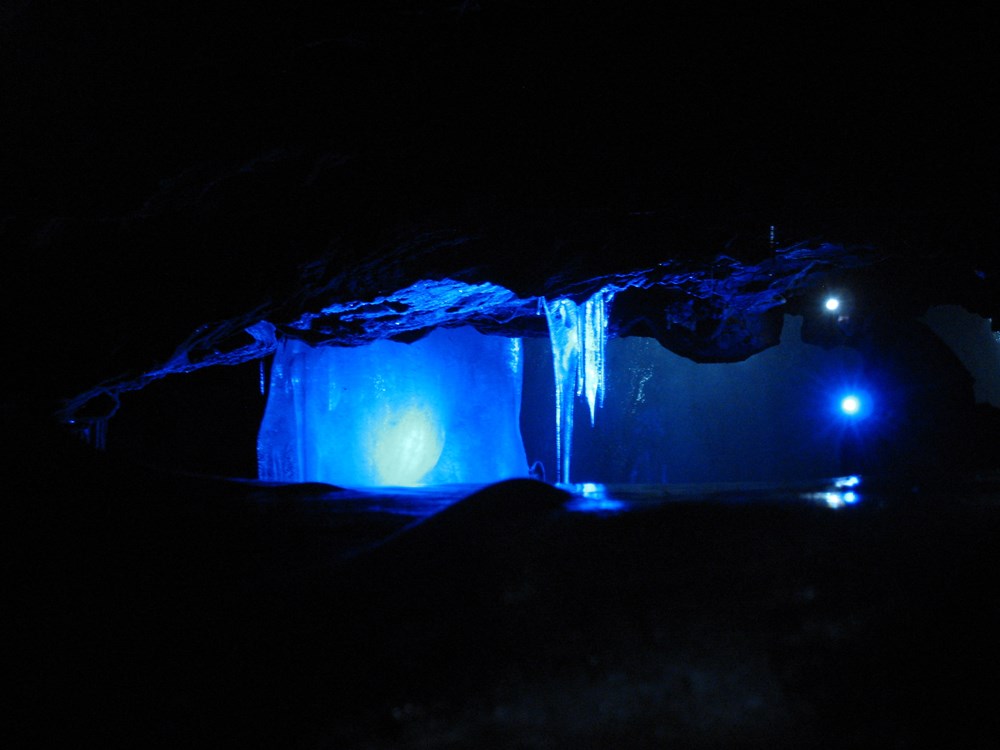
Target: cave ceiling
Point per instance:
(187, 185)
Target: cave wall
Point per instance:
(175, 177)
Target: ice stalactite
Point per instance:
(590, 375)
(579, 335)
(562, 317)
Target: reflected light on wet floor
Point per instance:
(596, 498)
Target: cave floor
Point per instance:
(161, 610)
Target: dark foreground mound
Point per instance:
(155, 610)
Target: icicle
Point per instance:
(590, 377)
(564, 334)
(578, 334)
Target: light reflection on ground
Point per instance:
(836, 492)
(596, 498)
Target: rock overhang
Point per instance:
(378, 172)
(721, 311)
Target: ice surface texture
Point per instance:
(444, 409)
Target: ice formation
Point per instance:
(444, 409)
(579, 335)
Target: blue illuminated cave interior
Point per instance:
(566, 397)
(448, 409)
(667, 419)
(436, 374)
(461, 407)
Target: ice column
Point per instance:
(444, 409)
(578, 334)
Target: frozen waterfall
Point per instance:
(444, 409)
(579, 335)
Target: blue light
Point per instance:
(835, 500)
(846, 397)
(832, 304)
(850, 481)
(590, 497)
(850, 405)
(854, 405)
(840, 495)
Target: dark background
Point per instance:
(151, 608)
(874, 126)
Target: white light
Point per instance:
(850, 405)
(832, 499)
(832, 304)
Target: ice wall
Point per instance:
(579, 335)
(444, 409)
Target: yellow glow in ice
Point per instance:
(407, 446)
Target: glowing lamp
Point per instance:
(854, 405)
(407, 446)
(832, 304)
(850, 405)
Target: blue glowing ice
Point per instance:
(590, 376)
(564, 335)
(579, 335)
(442, 410)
